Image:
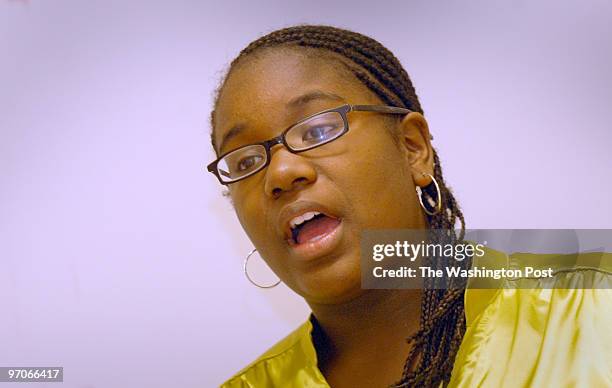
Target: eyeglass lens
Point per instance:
(308, 134)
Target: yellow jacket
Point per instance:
(516, 337)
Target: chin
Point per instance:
(335, 283)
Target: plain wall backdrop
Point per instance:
(119, 258)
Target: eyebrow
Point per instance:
(233, 132)
(292, 104)
(311, 96)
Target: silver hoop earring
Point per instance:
(436, 206)
(246, 272)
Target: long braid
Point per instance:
(442, 321)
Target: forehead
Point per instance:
(257, 91)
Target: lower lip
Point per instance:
(314, 249)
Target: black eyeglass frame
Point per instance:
(281, 139)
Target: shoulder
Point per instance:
(541, 331)
(280, 363)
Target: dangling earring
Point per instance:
(246, 272)
(437, 206)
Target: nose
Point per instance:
(287, 171)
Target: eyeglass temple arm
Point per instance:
(380, 109)
(383, 109)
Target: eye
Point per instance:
(248, 162)
(319, 133)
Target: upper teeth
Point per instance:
(303, 218)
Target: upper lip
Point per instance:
(298, 208)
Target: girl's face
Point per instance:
(363, 180)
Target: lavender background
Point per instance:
(119, 258)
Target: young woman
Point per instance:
(304, 187)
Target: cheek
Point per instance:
(251, 211)
(248, 208)
(245, 207)
(378, 184)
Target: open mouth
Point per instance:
(311, 227)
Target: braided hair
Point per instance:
(442, 320)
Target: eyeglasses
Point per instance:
(312, 132)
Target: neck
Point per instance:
(371, 327)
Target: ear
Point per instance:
(415, 142)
